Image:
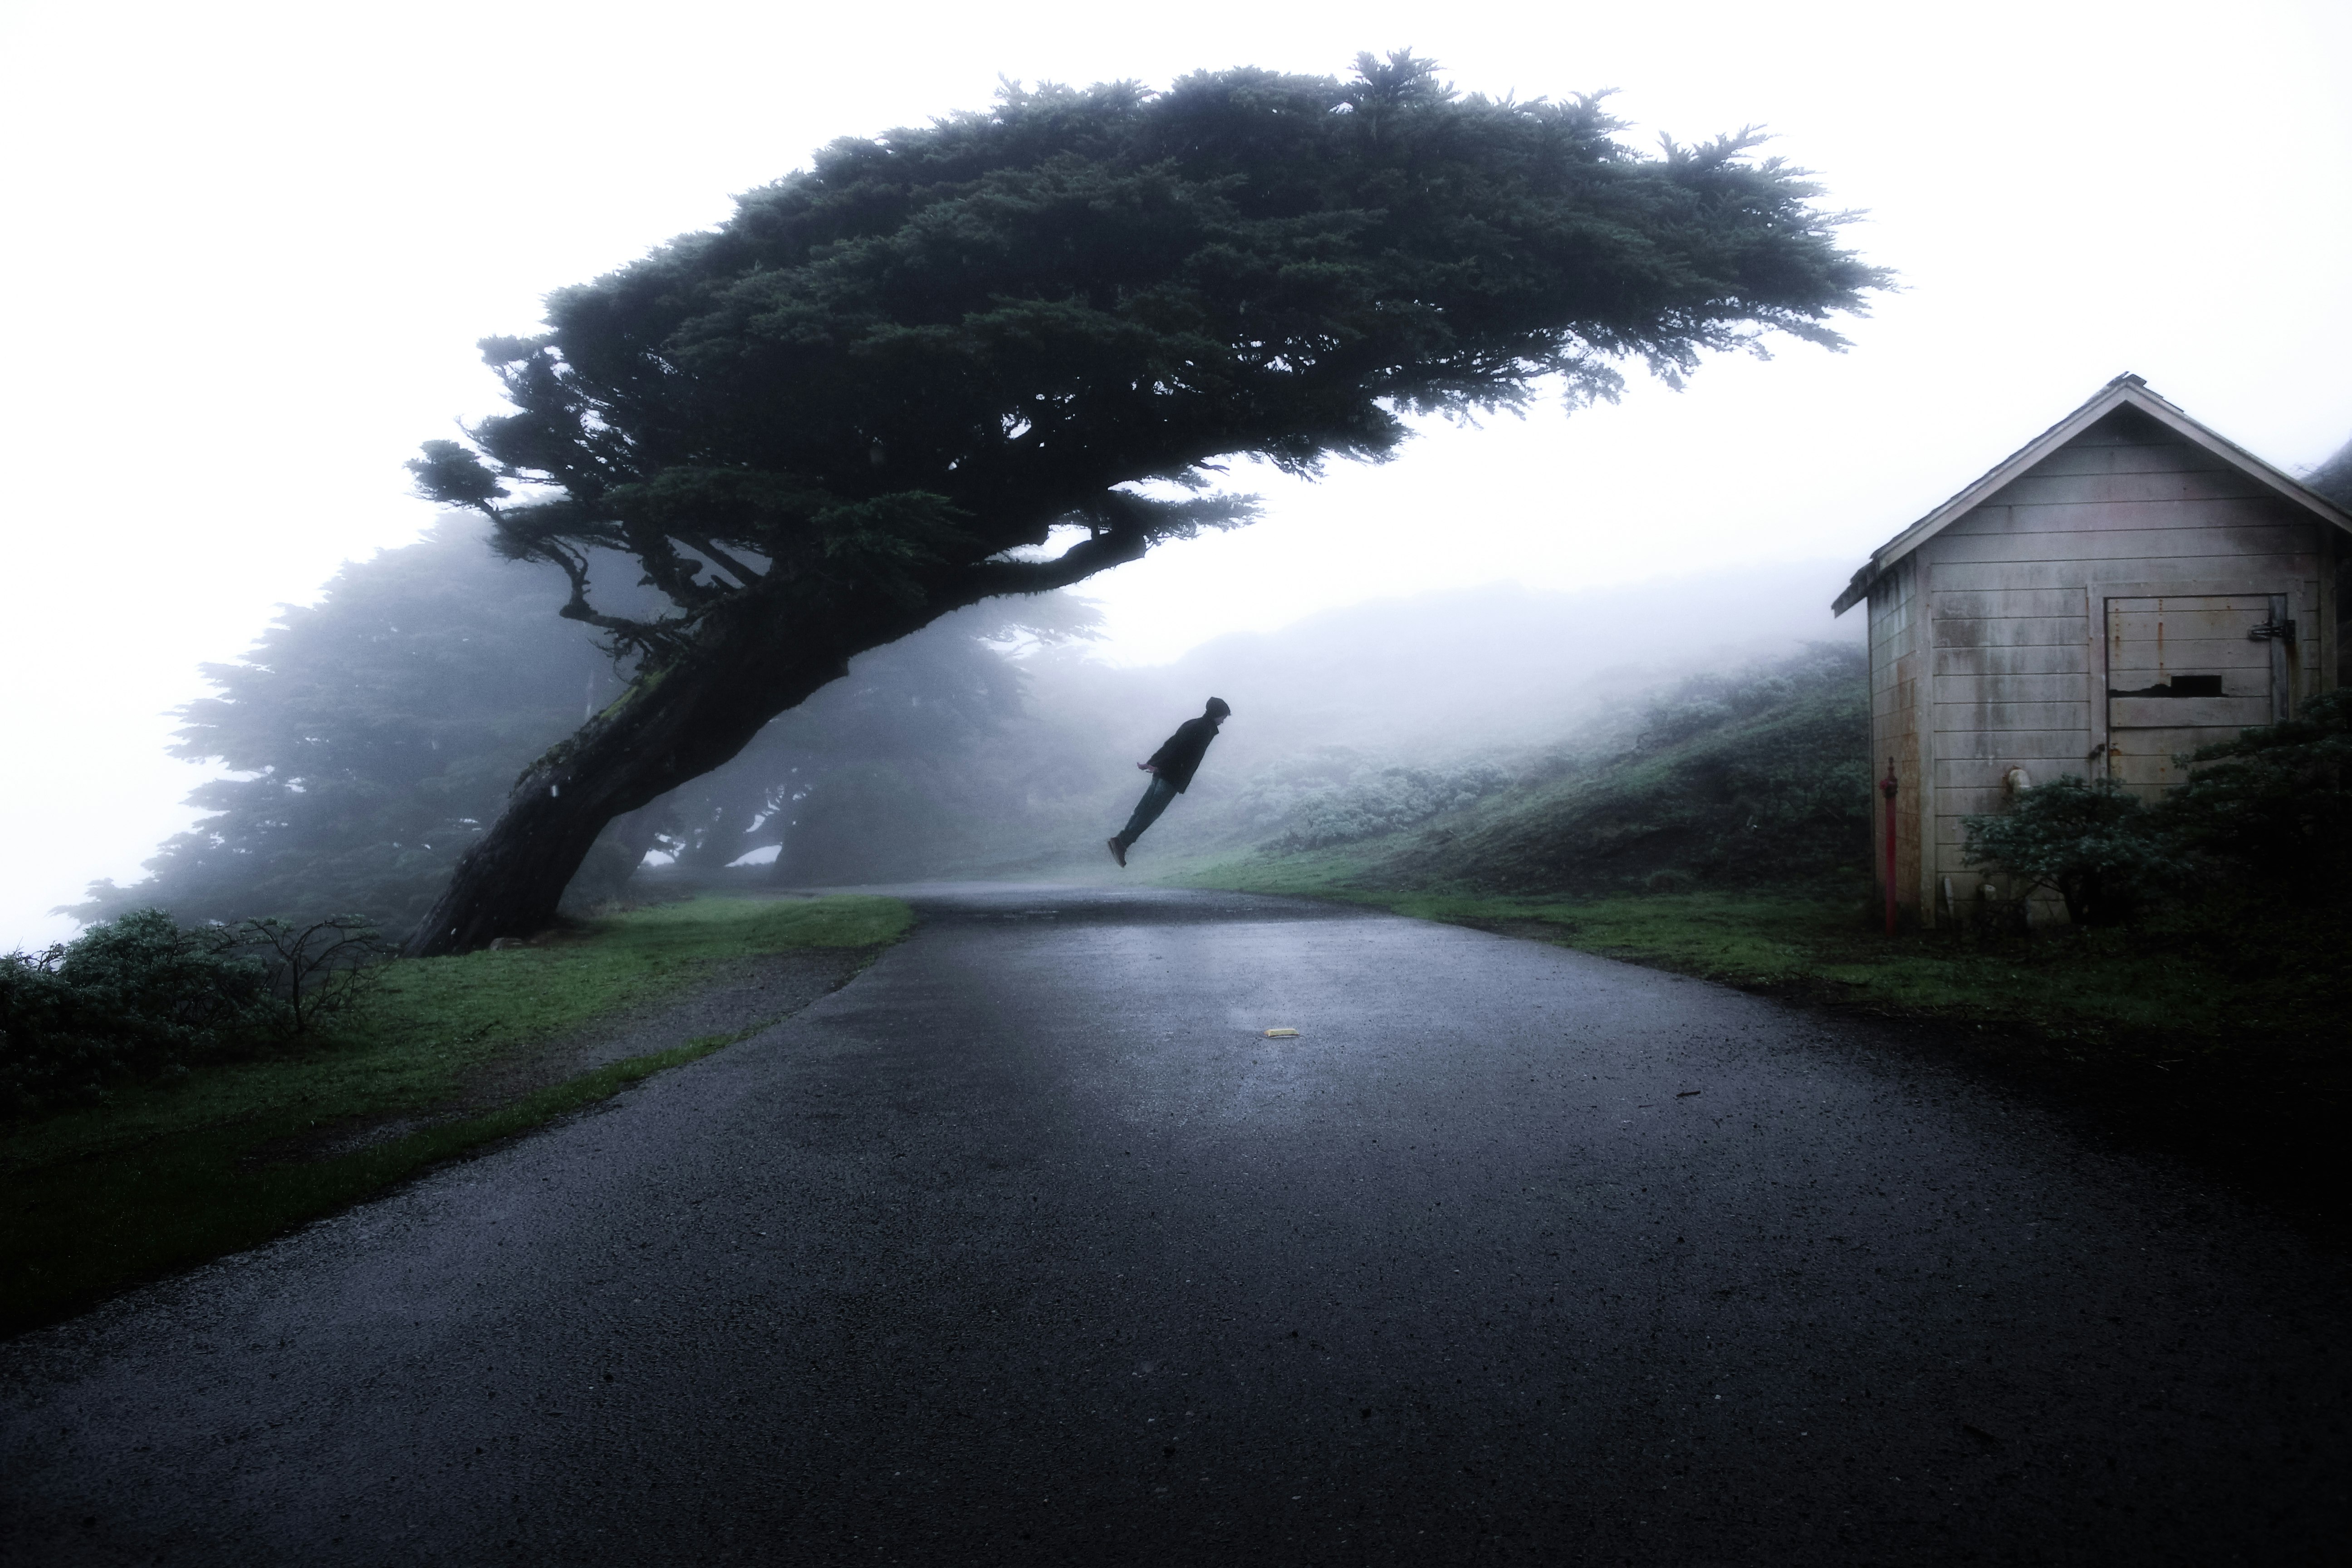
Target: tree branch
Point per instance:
(646, 636)
(665, 569)
(743, 575)
(1075, 564)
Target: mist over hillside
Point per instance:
(1499, 665)
(375, 734)
(1420, 703)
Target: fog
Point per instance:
(373, 734)
(1471, 686)
(1491, 678)
(1473, 669)
(255, 245)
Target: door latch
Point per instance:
(2272, 630)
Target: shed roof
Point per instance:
(2123, 390)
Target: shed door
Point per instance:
(2186, 672)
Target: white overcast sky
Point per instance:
(249, 247)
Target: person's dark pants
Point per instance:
(1156, 797)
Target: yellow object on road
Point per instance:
(1282, 1033)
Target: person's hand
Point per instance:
(1146, 767)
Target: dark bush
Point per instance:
(139, 996)
(177, 986)
(2091, 840)
(133, 996)
(53, 1050)
(2264, 822)
(2273, 809)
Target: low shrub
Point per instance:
(2091, 840)
(2261, 829)
(139, 996)
(2273, 809)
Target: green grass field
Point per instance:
(166, 1175)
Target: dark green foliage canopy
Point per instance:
(930, 348)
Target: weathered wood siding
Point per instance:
(2016, 621)
(1895, 684)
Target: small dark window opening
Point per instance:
(2179, 686)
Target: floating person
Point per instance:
(1172, 768)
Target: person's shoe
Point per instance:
(1117, 851)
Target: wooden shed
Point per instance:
(2125, 588)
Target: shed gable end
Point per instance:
(2126, 474)
(2124, 589)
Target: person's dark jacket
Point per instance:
(1179, 757)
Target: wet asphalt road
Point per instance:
(1027, 1247)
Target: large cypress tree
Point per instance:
(840, 413)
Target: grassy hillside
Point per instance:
(1733, 782)
(1348, 720)
(1744, 781)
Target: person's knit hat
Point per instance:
(1217, 709)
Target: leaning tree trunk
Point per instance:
(749, 662)
(670, 726)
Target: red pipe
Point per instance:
(1887, 786)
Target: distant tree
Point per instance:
(2333, 478)
(836, 417)
(373, 735)
(892, 771)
